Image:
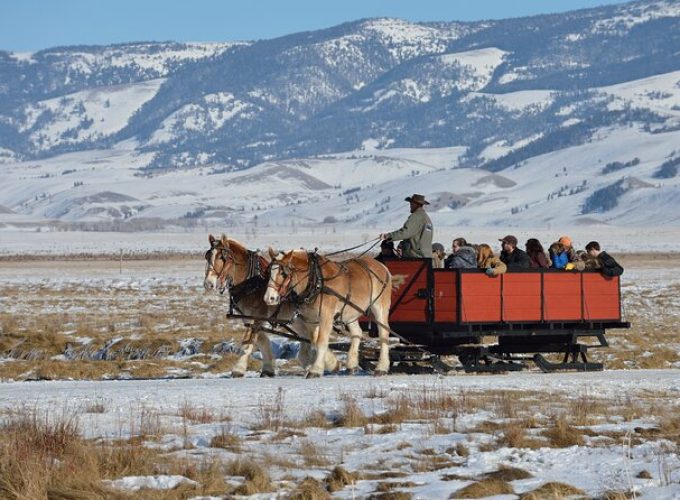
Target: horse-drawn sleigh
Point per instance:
(490, 323)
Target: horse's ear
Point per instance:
(225, 240)
(211, 240)
(272, 253)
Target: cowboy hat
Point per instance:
(417, 198)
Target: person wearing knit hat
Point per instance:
(571, 251)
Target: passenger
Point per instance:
(537, 257)
(513, 257)
(571, 251)
(558, 256)
(588, 261)
(417, 231)
(438, 255)
(492, 265)
(386, 251)
(464, 255)
(608, 265)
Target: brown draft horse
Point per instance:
(229, 265)
(328, 292)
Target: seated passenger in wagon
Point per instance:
(463, 256)
(487, 261)
(513, 257)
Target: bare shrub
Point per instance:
(310, 489)
(485, 488)
(552, 490)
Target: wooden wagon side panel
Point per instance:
(408, 278)
(522, 297)
(480, 298)
(445, 296)
(562, 296)
(601, 297)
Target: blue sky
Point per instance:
(29, 25)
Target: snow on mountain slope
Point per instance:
(362, 188)
(405, 39)
(636, 14)
(210, 114)
(659, 93)
(144, 56)
(517, 101)
(480, 64)
(86, 115)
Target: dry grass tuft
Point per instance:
(561, 434)
(227, 441)
(485, 488)
(311, 455)
(310, 489)
(257, 480)
(644, 474)
(339, 478)
(459, 449)
(352, 415)
(506, 473)
(386, 486)
(552, 490)
(201, 415)
(617, 495)
(391, 495)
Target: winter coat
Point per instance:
(609, 266)
(560, 260)
(590, 262)
(518, 259)
(417, 233)
(495, 264)
(464, 258)
(538, 260)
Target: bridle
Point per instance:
(224, 278)
(283, 289)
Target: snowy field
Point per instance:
(326, 238)
(597, 432)
(138, 359)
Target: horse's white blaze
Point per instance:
(271, 296)
(210, 281)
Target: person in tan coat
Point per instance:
(492, 265)
(417, 231)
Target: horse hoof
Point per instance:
(312, 375)
(237, 374)
(353, 371)
(267, 374)
(379, 373)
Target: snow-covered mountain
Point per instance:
(559, 119)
